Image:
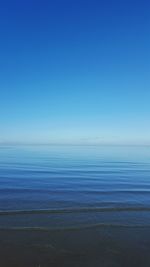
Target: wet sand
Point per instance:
(105, 247)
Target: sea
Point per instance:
(74, 206)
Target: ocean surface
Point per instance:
(74, 206)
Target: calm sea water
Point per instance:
(74, 206)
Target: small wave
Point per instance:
(73, 228)
(73, 210)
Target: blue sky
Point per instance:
(75, 71)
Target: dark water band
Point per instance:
(73, 210)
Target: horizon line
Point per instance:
(72, 144)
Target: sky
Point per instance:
(75, 71)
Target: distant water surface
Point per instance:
(74, 205)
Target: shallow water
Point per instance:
(74, 206)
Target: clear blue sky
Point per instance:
(75, 71)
